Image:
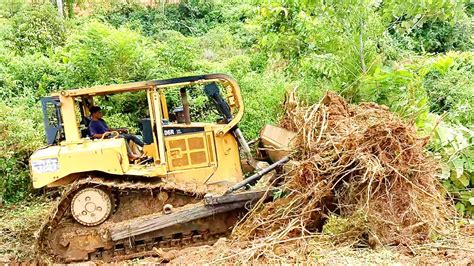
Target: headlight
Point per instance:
(45, 165)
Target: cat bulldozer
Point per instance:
(189, 190)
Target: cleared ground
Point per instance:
(19, 222)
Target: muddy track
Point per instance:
(62, 239)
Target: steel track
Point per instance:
(133, 247)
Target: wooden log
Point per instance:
(142, 225)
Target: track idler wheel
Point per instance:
(91, 206)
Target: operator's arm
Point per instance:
(107, 129)
(120, 130)
(97, 136)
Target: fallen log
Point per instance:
(142, 225)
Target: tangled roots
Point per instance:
(361, 164)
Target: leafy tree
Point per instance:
(100, 54)
(449, 84)
(37, 28)
(438, 37)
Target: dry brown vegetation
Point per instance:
(362, 163)
(361, 178)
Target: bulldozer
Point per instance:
(189, 187)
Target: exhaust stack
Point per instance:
(185, 103)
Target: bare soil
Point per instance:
(18, 224)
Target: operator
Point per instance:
(98, 127)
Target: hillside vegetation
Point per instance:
(416, 57)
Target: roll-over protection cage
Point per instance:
(53, 119)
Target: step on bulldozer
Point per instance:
(187, 189)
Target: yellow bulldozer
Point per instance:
(187, 189)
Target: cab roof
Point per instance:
(143, 85)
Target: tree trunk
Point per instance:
(60, 5)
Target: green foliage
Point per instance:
(365, 50)
(219, 44)
(449, 84)
(263, 98)
(36, 28)
(124, 109)
(438, 37)
(177, 52)
(101, 54)
(407, 15)
(455, 145)
(189, 17)
(149, 21)
(441, 85)
(29, 75)
(330, 50)
(20, 135)
(397, 88)
(195, 16)
(9, 8)
(419, 26)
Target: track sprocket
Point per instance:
(91, 206)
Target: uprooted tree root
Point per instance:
(361, 177)
(360, 165)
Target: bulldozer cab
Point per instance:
(52, 118)
(177, 146)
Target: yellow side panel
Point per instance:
(53, 163)
(228, 158)
(188, 151)
(191, 177)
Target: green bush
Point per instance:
(29, 75)
(124, 109)
(189, 17)
(441, 85)
(263, 99)
(454, 146)
(219, 45)
(438, 37)
(238, 66)
(36, 28)
(21, 131)
(149, 21)
(177, 53)
(400, 89)
(9, 8)
(448, 81)
(101, 54)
